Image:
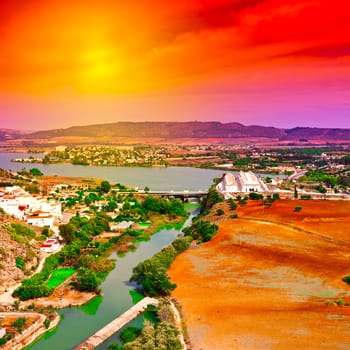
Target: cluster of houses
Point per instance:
(33, 209)
(243, 182)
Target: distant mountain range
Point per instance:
(9, 134)
(193, 130)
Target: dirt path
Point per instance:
(327, 238)
(7, 298)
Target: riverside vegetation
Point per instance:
(153, 280)
(83, 252)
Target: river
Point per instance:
(156, 179)
(79, 323)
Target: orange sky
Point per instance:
(282, 63)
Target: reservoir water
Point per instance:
(156, 179)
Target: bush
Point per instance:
(305, 196)
(32, 290)
(255, 196)
(201, 230)
(297, 209)
(219, 212)
(130, 334)
(346, 279)
(232, 204)
(19, 323)
(20, 263)
(47, 323)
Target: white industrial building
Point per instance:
(227, 185)
(243, 182)
(249, 182)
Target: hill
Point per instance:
(9, 134)
(190, 130)
(163, 130)
(16, 246)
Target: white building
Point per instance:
(227, 185)
(51, 245)
(121, 226)
(41, 219)
(36, 210)
(243, 182)
(249, 182)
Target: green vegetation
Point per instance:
(20, 263)
(163, 206)
(232, 204)
(87, 280)
(129, 334)
(19, 323)
(47, 323)
(161, 335)
(152, 273)
(59, 276)
(305, 197)
(346, 279)
(298, 208)
(201, 230)
(255, 196)
(19, 233)
(35, 172)
(212, 197)
(219, 212)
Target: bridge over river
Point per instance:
(185, 194)
(107, 331)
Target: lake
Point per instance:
(156, 179)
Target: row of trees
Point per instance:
(152, 275)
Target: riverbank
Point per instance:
(275, 277)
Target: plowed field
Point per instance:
(271, 279)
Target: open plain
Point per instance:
(270, 279)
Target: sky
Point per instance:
(282, 63)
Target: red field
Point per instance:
(270, 279)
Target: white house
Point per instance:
(121, 226)
(51, 245)
(40, 218)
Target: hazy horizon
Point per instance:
(260, 62)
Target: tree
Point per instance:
(86, 280)
(219, 212)
(295, 191)
(35, 172)
(67, 232)
(105, 186)
(45, 232)
(19, 323)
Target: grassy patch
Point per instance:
(59, 276)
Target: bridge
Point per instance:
(114, 326)
(185, 194)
